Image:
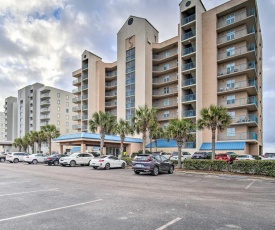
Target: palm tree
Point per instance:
(26, 142)
(33, 138)
(179, 130)
(41, 137)
(17, 143)
(156, 134)
(214, 118)
(105, 123)
(50, 132)
(143, 121)
(123, 128)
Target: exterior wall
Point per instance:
(11, 118)
(2, 126)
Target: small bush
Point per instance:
(128, 160)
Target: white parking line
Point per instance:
(45, 190)
(168, 224)
(247, 187)
(49, 210)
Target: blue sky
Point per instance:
(41, 41)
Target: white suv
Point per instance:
(35, 158)
(76, 159)
(15, 157)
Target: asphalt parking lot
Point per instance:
(54, 197)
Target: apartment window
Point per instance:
(231, 132)
(130, 78)
(58, 122)
(58, 102)
(130, 66)
(230, 99)
(166, 90)
(166, 78)
(67, 104)
(230, 84)
(130, 54)
(58, 115)
(67, 117)
(58, 108)
(232, 114)
(230, 68)
(166, 114)
(130, 102)
(166, 66)
(166, 102)
(166, 54)
(58, 95)
(67, 124)
(165, 125)
(130, 90)
(67, 110)
(67, 97)
(230, 19)
(230, 51)
(230, 35)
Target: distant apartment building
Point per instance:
(216, 58)
(11, 118)
(2, 126)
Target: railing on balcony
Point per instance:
(238, 85)
(190, 81)
(44, 123)
(84, 117)
(111, 74)
(244, 119)
(166, 54)
(76, 127)
(239, 102)
(188, 50)
(45, 102)
(84, 96)
(238, 136)
(188, 66)
(164, 79)
(76, 81)
(85, 87)
(45, 95)
(76, 99)
(189, 113)
(84, 107)
(45, 110)
(237, 68)
(45, 117)
(161, 92)
(189, 145)
(76, 108)
(189, 97)
(164, 104)
(76, 117)
(167, 116)
(76, 90)
(110, 103)
(188, 35)
(236, 51)
(84, 76)
(110, 84)
(188, 19)
(236, 34)
(165, 67)
(226, 20)
(112, 112)
(110, 93)
(84, 66)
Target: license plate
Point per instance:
(139, 165)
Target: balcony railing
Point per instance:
(85, 87)
(76, 90)
(75, 118)
(76, 127)
(76, 108)
(236, 51)
(166, 54)
(238, 85)
(76, 99)
(167, 78)
(161, 92)
(44, 123)
(112, 112)
(84, 117)
(190, 97)
(111, 74)
(164, 104)
(165, 67)
(226, 21)
(188, 35)
(110, 84)
(187, 82)
(188, 19)
(238, 136)
(188, 50)
(110, 103)
(237, 34)
(45, 102)
(84, 96)
(84, 107)
(45, 95)
(45, 110)
(110, 94)
(84, 66)
(188, 66)
(45, 117)
(76, 81)
(189, 113)
(245, 119)
(237, 68)
(84, 76)
(189, 145)
(167, 116)
(239, 102)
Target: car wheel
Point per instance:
(15, 160)
(49, 163)
(2, 160)
(34, 162)
(55, 163)
(155, 171)
(171, 170)
(72, 163)
(136, 172)
(107, 166)
(95, 167)
(123, 166)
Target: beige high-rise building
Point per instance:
(2, 126)
(216, 58)
(11, 118)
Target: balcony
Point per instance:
(167, 116)
(76, 100)
(188, 82)
(112, 112)
(45, 102)
(111, 94)
(166, 68)
(188, 36)
(165, 92)
(77, 81)
(111, 75)
(189, 98)
(244, 17)
(76, 118)
(250, 102)
(189, 145)
(85, 117)
(84, 66)
(247, 34)
(248, 119)
(45, 110)
(84, 97)
(188, 66)
(110, 104)
(111, 84)
(84, 107)
(189, 113)
(85, 87)
(44, 117)
(165, 56)
(189, 19)
(76, 108)
(165, 104)
(249, 69)
(188, 51)
(45, 95)
(248, 136)
(76, 127)
(76, 91)
(84, 76)
(165, 80)
(84, 127)
(44, 123)
(249, 85)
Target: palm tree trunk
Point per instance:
(143, 142)
(39, 146)
(121, 148)
(150, 144)
(156, 145)
(213, 144)
(20, 148)
(179, 154)
(50, 145)
(102, 136)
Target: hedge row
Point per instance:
(265, 167)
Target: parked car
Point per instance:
(184, 155)
(2, 157)
(107, 162)
(35, 158)
(15, 157)
(268, 156)
(76, 159)
(225, 157)
(201, 155)
(154, 164)
(167, 155)
(54, 159)
(245, 157)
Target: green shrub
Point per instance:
(205, 165)
(128, 160)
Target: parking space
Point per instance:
(54, 197)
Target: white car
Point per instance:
(35, 158)
(76, 159)
(15, 157)
(244, 157)
(268, 156)
(107, 162)
(184, 155)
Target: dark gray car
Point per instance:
(154, 164)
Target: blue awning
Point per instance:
(162, 143)
(224, 146)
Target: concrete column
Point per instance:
(104, 151)
(83, 148)
(60, 148)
